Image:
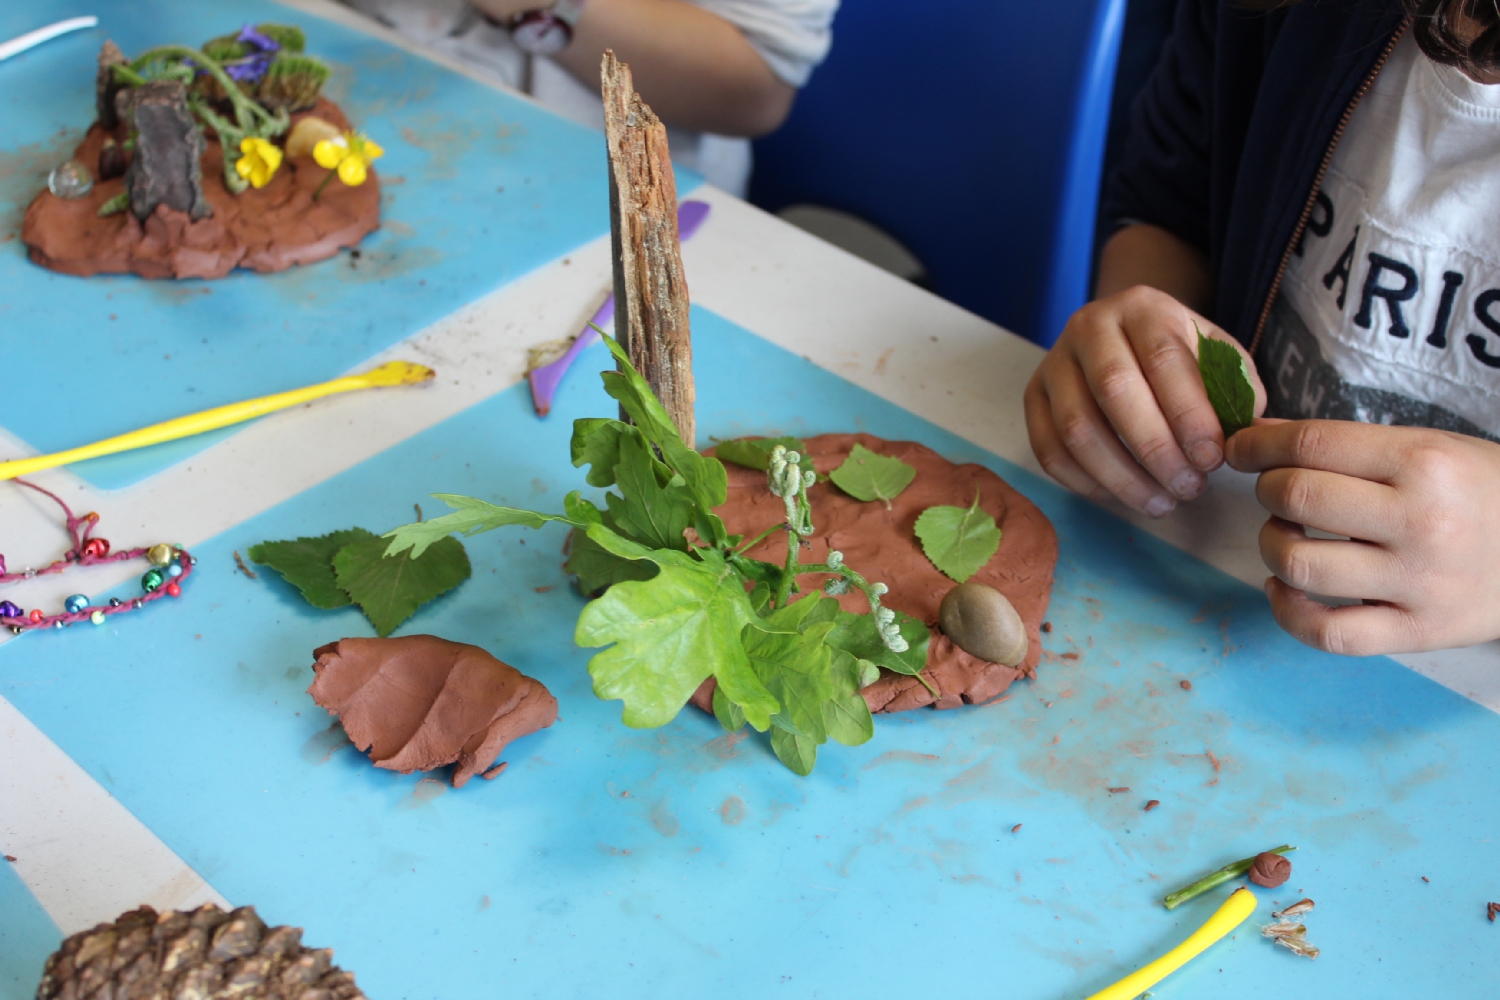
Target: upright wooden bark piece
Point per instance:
(651, 294)
(168, 145)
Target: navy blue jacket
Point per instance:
(1230, 135)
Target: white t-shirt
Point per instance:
(792, 36)
(1390, 309)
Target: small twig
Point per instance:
(241, 564)
(1175, 899)
(419, 512)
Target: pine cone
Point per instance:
(206, 954)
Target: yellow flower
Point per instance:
(350, 153)
(258, 161)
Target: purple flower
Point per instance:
(250, 36)
(250, 68)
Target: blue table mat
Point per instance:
(615, 862)
(478, 188)
(27, 937)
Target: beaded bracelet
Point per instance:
(170, 565)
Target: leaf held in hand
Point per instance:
(958, 540)
(1227, 379)
(868, 476)
(390, 589)
(307, 564)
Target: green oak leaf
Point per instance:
(596, 443)
(307, 564)
(959, 541)
(846, 717)
(858, 635)
(794, 666)
(1227, 379)
(730, 715)
(390, 589)
(868, 476)
(598, 569)
(666, 635)
(797, 752)
(755, 453)
(654, 515)
(470, 517)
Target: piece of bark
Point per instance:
(164, 169)
(417, 702)
(105, 87)
(651, 293)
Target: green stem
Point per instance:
(1175, 899)
(789, 574)
(325, 184)
(757, 539)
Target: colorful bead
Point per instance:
(97, 617)
(159, 555)
(115, 602)
(57, 623)
(76, 603)
(96, 548)
(15, 630)
(9, 609)
(173, 590)
(135, 605)
(174, 570)
(152, 580)
(36, 614)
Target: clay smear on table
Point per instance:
(266, 229)
(417, 702)
(882, 544)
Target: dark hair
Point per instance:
(1461, 33)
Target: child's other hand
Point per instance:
(1118, 407)
(1420, 504)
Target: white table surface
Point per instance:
(87, 859)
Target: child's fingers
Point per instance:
(1332, 567)
(1355, 630)
(1342, 505)
(1170, 366)
(1129, 403)
(1093, 444)
(1048, 446)
(1342, 446)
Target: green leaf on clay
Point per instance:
(868, 476)
(755, 453)
(307, 564)
(797, 752)
(470, 517)
(795, 667)
(958, 540)
(859, 636)
(667, 635)
(390, 589)
(1227, 379)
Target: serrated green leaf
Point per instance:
(470, 517)
(596, 443)
(390, 589)
(794, 666)
(868, 476)
(307, 564)
(730, 715)
(958, 540)
(797, 752)
(755, 453)
(597, 570)
(1227, 379)
(667, 635)
(649, 513)
(858, 635)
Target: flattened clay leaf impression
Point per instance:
(418, 702)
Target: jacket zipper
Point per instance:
(1317, 184)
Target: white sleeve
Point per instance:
(792, 36)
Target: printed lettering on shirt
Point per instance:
(1394, 327)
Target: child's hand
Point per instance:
(1118, 407)
(1421, 504)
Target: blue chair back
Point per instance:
(974, 133)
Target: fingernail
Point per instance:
(1187, 484)
(1206, 455)
(1160, 506)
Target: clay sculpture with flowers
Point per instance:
(206, 160)
(799, 592)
